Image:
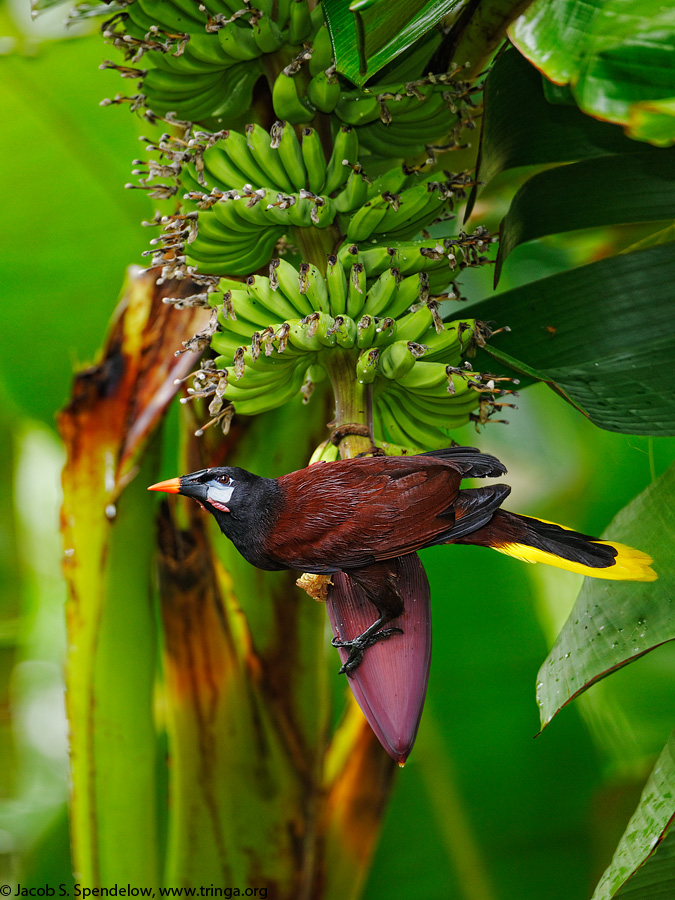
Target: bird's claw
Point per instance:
(358, 646)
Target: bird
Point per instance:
(358, 516)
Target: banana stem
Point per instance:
(316, 244)
(478, 32)
(353, 403)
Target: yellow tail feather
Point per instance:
(629, 564)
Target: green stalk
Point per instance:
(353, 403)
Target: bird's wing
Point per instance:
(350, 513)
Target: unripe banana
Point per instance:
(415, 324)
(236, 148)
(367, 219)
(345, 150)
(322, 57)
(267, 35)
(356, 291)
(357, 110)
(381, 295)
(314, 159)
(392, 427)
(288, 278)
(289, 97)
(315, 289)
(336, 281)
(301, 337)
(238, 42)
(354, 194)
(300, 213)
(365, 332)
(267, 159)
(274, 301)
(366, 366)
(397, 359)
(290, 153)
(424, 435)
(300, 23)
(323, 92)
(345, 331)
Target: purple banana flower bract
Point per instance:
(390, 684)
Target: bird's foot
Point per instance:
(358, 646)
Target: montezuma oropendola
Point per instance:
(356, 515)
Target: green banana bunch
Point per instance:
(205, 58)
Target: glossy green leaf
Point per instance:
(72, 229)
(614, 623)
(369, 34)
(637, 187)
(643, 867)
(618, 57)
(603, 335)
(522, 128)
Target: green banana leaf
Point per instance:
(369, 34)
(589, 194)
(522, 128)
(617, 56)
(602, 335)
(643, 867)
(73, 229)
(613, 624)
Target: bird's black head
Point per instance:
(243, 504)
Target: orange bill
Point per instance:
(172, 486)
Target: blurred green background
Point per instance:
(483, 810)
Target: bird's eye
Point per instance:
(223, 479)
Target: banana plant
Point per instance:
(307, 161)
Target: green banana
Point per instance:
(301, 338)
(289, 98)
(225, 214)
(237, 41)
(397, 359)
(345, 150)
(274, 301)
(235, 146)
(354, 194)
(382, 293)
(367, 365)
(316, 290)
(322, 55)
(392, 427)
(415, 324)
(268, 160)
(300, 22)
(289, 284)
(357, 110)
(365, 332)
(267, 35)
(221, 169)
(447, 343)
(323, 92)
(367, 219)
(290, 153)
(411, 204)
(385, 331)
(356, 291)
(425, 435)
(234, 258)
(345, 332)
(336, 281)
(392, 181)
(314, 159)
(267, 400)
(300, 213)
